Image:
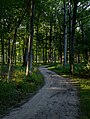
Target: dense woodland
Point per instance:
(35, 32)
(44, 31)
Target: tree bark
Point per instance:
(25, 52)
(2, 42)
(12, 54)
(60, 47)
(50, 41)
(65, 33)
(37, 42)
(43, 53)
(30, 44)
(46, 49)
(13, 45)
(8, 50)
(72, 39)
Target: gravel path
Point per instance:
(56, 100)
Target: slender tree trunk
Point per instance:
(78, 57)
(13, 45)
(43, 53)
(55, 55)
(30, 44)
(12, 55)
(84, 41)
(15, 54)
(70, 30)
(50, 41)
(2, 42)
(46, 49)
(54, 49)
(60, 47)
(8, 50)
(72, 39)
(36, 50)
(65, 33)
(25, 52)
(37, 42)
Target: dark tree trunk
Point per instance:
(15, 54)
(78, 58)
(65, 33)
(84, 43)
(54, 55)
(25, 52)
(70, 30)
(2, 49)
(50, 41)
(72, 39)
(8, 50)
(46, 49)
(37, 43)
(43, 53)
(13, 46)
(12, 54)
(60, 47)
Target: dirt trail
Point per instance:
(56, 100)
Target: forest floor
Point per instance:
(57, 99)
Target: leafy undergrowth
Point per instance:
(19, 89)
(84, 94)
(81, 78)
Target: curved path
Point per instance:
(56, 100)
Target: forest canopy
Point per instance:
(36, 31)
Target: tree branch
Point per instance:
(83, 10)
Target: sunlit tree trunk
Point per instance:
(12, 54)
(30, 43)
(13, 45)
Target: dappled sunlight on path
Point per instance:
(56, 100)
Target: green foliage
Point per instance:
(84, 95)
(3, 73)
(19, 88)
(81, 69)
(60, 69)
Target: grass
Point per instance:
(19, 89)
(82, 81)
(84, 94)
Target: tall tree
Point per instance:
(65, 33)
(30, 43)
(72, 39)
